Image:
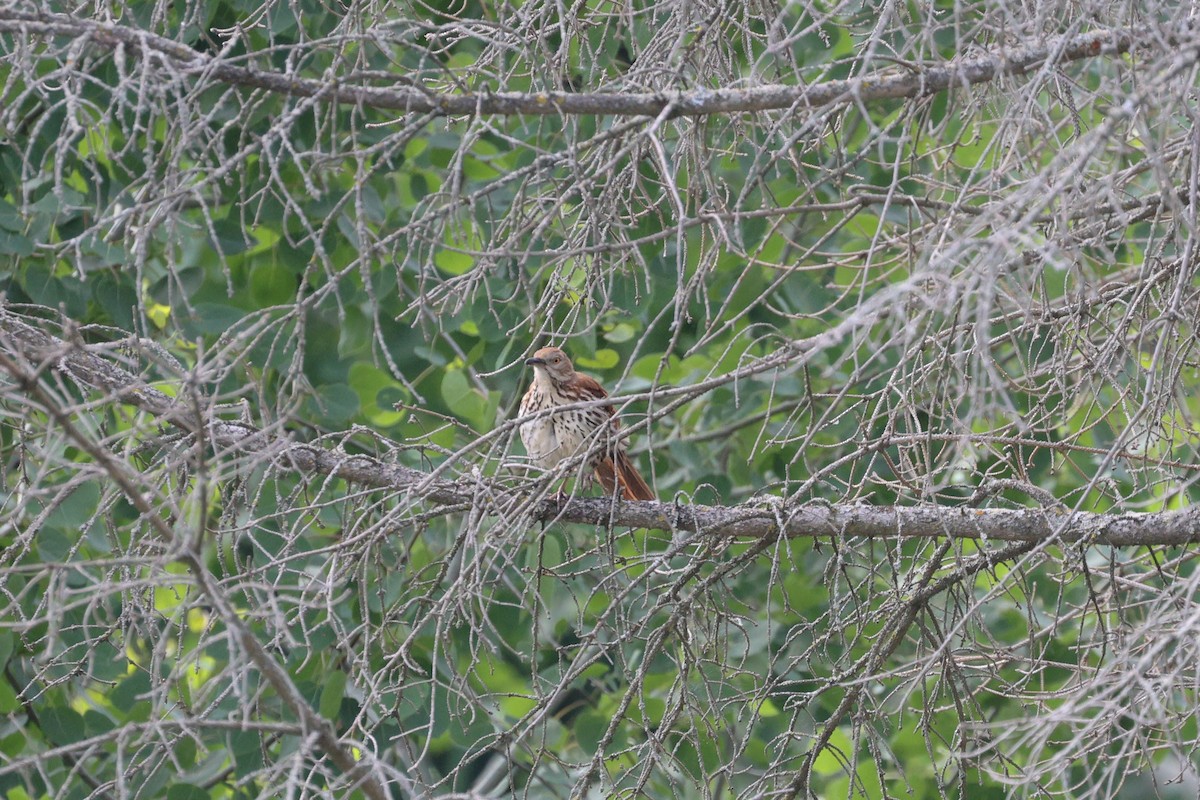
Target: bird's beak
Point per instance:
(535, 362)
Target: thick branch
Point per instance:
(912, 80)
(770, 517)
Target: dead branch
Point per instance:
(35, 351)
(912, 80)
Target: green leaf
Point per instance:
(621, 332)
(246, 747)
(186, 791)
(118, 298)
(15, 744)
(835, 756)
(453, 263)
(216, 318)
(338, 402)
(185, 751)
(590, 728)
(231, 237)
(97, 724)
(153, 783)
(14, 244)
(10, 217)
(9, 701)
(53, 545)
(460, 398)
(648, 711)
(76, 509)
(272, 285)
(130, 692)
(605, 358)
(62, 725)
(331, 695)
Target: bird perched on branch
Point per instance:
(554, 438)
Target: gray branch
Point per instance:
(909, 80)
(759, 519)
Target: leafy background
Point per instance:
(982, 297)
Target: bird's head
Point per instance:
(553, 363)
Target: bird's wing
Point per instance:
(594, 391)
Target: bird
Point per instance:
(554, 438)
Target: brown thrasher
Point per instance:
(554, 438)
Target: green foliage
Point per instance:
(370, 281)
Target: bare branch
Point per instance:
(913, 80)
(768, 518)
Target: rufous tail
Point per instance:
(633, 485)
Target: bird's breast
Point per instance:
(556, 437)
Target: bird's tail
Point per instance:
(620, 471)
